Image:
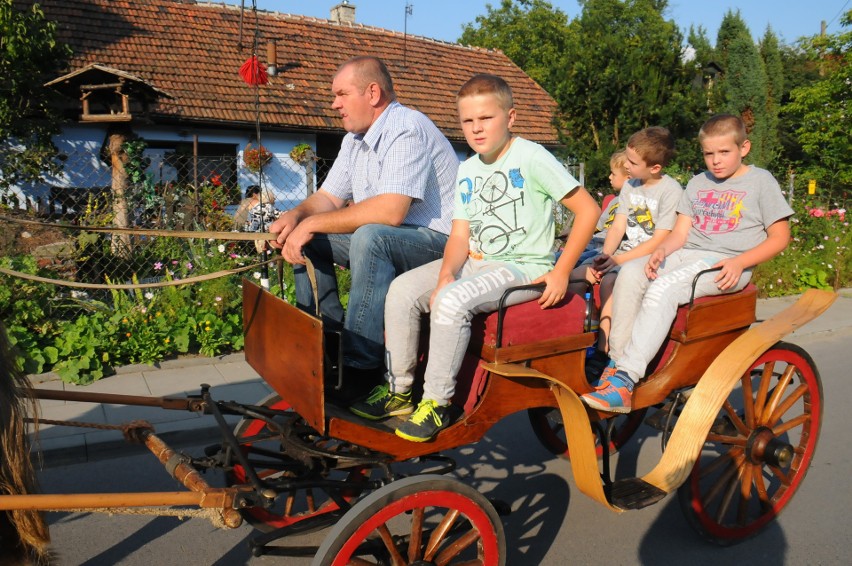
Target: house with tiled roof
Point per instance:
(172, 70)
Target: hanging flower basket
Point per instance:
(302, 153)
(255, 158)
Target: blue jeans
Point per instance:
(375, 254)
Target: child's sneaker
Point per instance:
(614, 395)
(595, 364)
(426, 421)
(381, 403)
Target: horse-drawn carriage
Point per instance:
(739, 411)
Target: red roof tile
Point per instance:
(192, 51)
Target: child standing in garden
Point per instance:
(502, 236)
(731, 217)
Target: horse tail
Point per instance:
(24, 533)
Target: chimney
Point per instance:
(343, 13)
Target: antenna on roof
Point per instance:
(409, 10)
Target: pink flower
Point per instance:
(189, 265)
(158, 266)
(816, 212)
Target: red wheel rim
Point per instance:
(765, 489)
(432, 499)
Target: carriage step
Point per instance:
(634, 493)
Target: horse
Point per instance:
(24, 536)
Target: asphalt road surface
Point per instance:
(551, 522)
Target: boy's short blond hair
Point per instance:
(724, 125)
(619, 161)
(655, 145)
(488, 84)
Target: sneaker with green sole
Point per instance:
(427, 420)
(381, 403)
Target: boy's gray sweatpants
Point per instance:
(643, 310)
(477, 289)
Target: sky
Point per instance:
(443, 19)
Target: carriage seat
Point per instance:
(528, 323)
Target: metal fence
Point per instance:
(163, 191)
(169, 189)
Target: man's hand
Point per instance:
(282, 227)
(296, 240)
(556, 284)
(729, 276)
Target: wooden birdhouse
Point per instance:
(107, 94)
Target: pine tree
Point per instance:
(743, 87)
(771, 55)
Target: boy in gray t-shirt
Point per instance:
(731, 217)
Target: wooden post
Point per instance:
(120, 245)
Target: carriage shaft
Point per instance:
(172, 403)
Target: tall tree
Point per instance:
(821, 110)
(625, 72)
(531, 33)
(771, 55)
(29, 56)
(742, 89)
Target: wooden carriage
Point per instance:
(739, 412)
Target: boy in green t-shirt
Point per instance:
(502, 236)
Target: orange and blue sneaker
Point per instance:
(603, 378)
(427, 420)
(613, 395)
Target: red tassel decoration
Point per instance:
(253, 72)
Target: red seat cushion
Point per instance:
(524, 323)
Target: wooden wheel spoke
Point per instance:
(745, 495)
(781, 475)
(288, 505)
(730, 490)
(309, 496)
(785, 406)
(727, 440)
(791, 424)
(464, 541)
(719, 462)
(748, 396)
(724, 479)
(735, 418)
(760, 485)
(763, 388)
(778, 392)
(439, 534)
(416, 534)
(387, 538)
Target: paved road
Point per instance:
(551, 523)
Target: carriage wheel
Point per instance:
(428, 519)
(548, 428)
(297, 505)
(759, 449)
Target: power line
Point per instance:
(842, 8)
